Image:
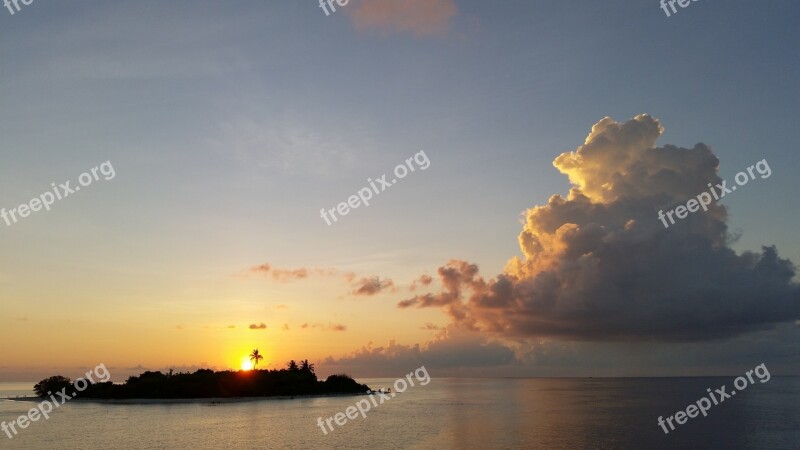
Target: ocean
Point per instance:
(501, 413)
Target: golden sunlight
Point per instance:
(247, 364)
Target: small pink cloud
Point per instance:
(418, 17)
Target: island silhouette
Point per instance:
(295, 380)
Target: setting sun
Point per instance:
(281, 265)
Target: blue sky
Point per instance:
(230, 124)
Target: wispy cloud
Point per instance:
(329, 327)
(290, 146)
(301, 273)
(176, 46)
(364, 286)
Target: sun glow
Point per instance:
(247, 364)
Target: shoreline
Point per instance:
(172, 401)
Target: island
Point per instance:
(295, 380)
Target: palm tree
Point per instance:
(293, 366)
(255, 357)
(306, 366)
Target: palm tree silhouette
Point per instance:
(306, 366)
(293, 366)
(255, 357)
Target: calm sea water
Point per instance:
(445, 414)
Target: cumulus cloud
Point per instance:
(418, 17)
(599, 265)
(371, 286)
(260, 326)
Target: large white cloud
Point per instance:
(599, 265)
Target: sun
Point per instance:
(247, 364)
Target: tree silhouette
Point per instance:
(206, 383)
(255, 357)
(306, 366)
(51, 385)
(293, 366)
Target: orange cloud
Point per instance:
(424, 280)
(371, 286)
(366, 286)
(418, 17)
(330, 326)
(290, 274)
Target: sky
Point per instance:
(551, 133)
